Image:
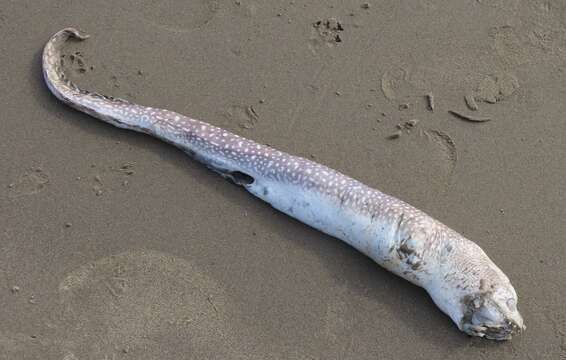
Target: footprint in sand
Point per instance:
(408, 84)
(539, 34)
(145, 303)
(394, 82)
(178, 16)
(509, 45)
(31, 182)
(495, 88)
(446, 146)
(433, 156)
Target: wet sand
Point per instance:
(114, 245)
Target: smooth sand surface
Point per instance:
(114, 245)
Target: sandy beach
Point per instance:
(114, 245)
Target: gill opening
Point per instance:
(240, 178)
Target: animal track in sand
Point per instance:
(110, 178)
(245, 116)
(31, 182)
(141, 301)
(178, 16)
(75, 62)
(325, 32)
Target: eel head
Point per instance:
(491, 314)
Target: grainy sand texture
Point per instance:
(114, 245)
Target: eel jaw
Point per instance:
(499, 332)
(485, 316)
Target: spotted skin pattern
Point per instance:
(458, 275)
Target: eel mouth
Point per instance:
(499, 332)
(484, 316)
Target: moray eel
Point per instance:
(461, 279)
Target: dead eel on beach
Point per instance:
(461, 279)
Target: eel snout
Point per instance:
(490, 316)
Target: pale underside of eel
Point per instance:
(461, 279)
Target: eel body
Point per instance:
(461, 279)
